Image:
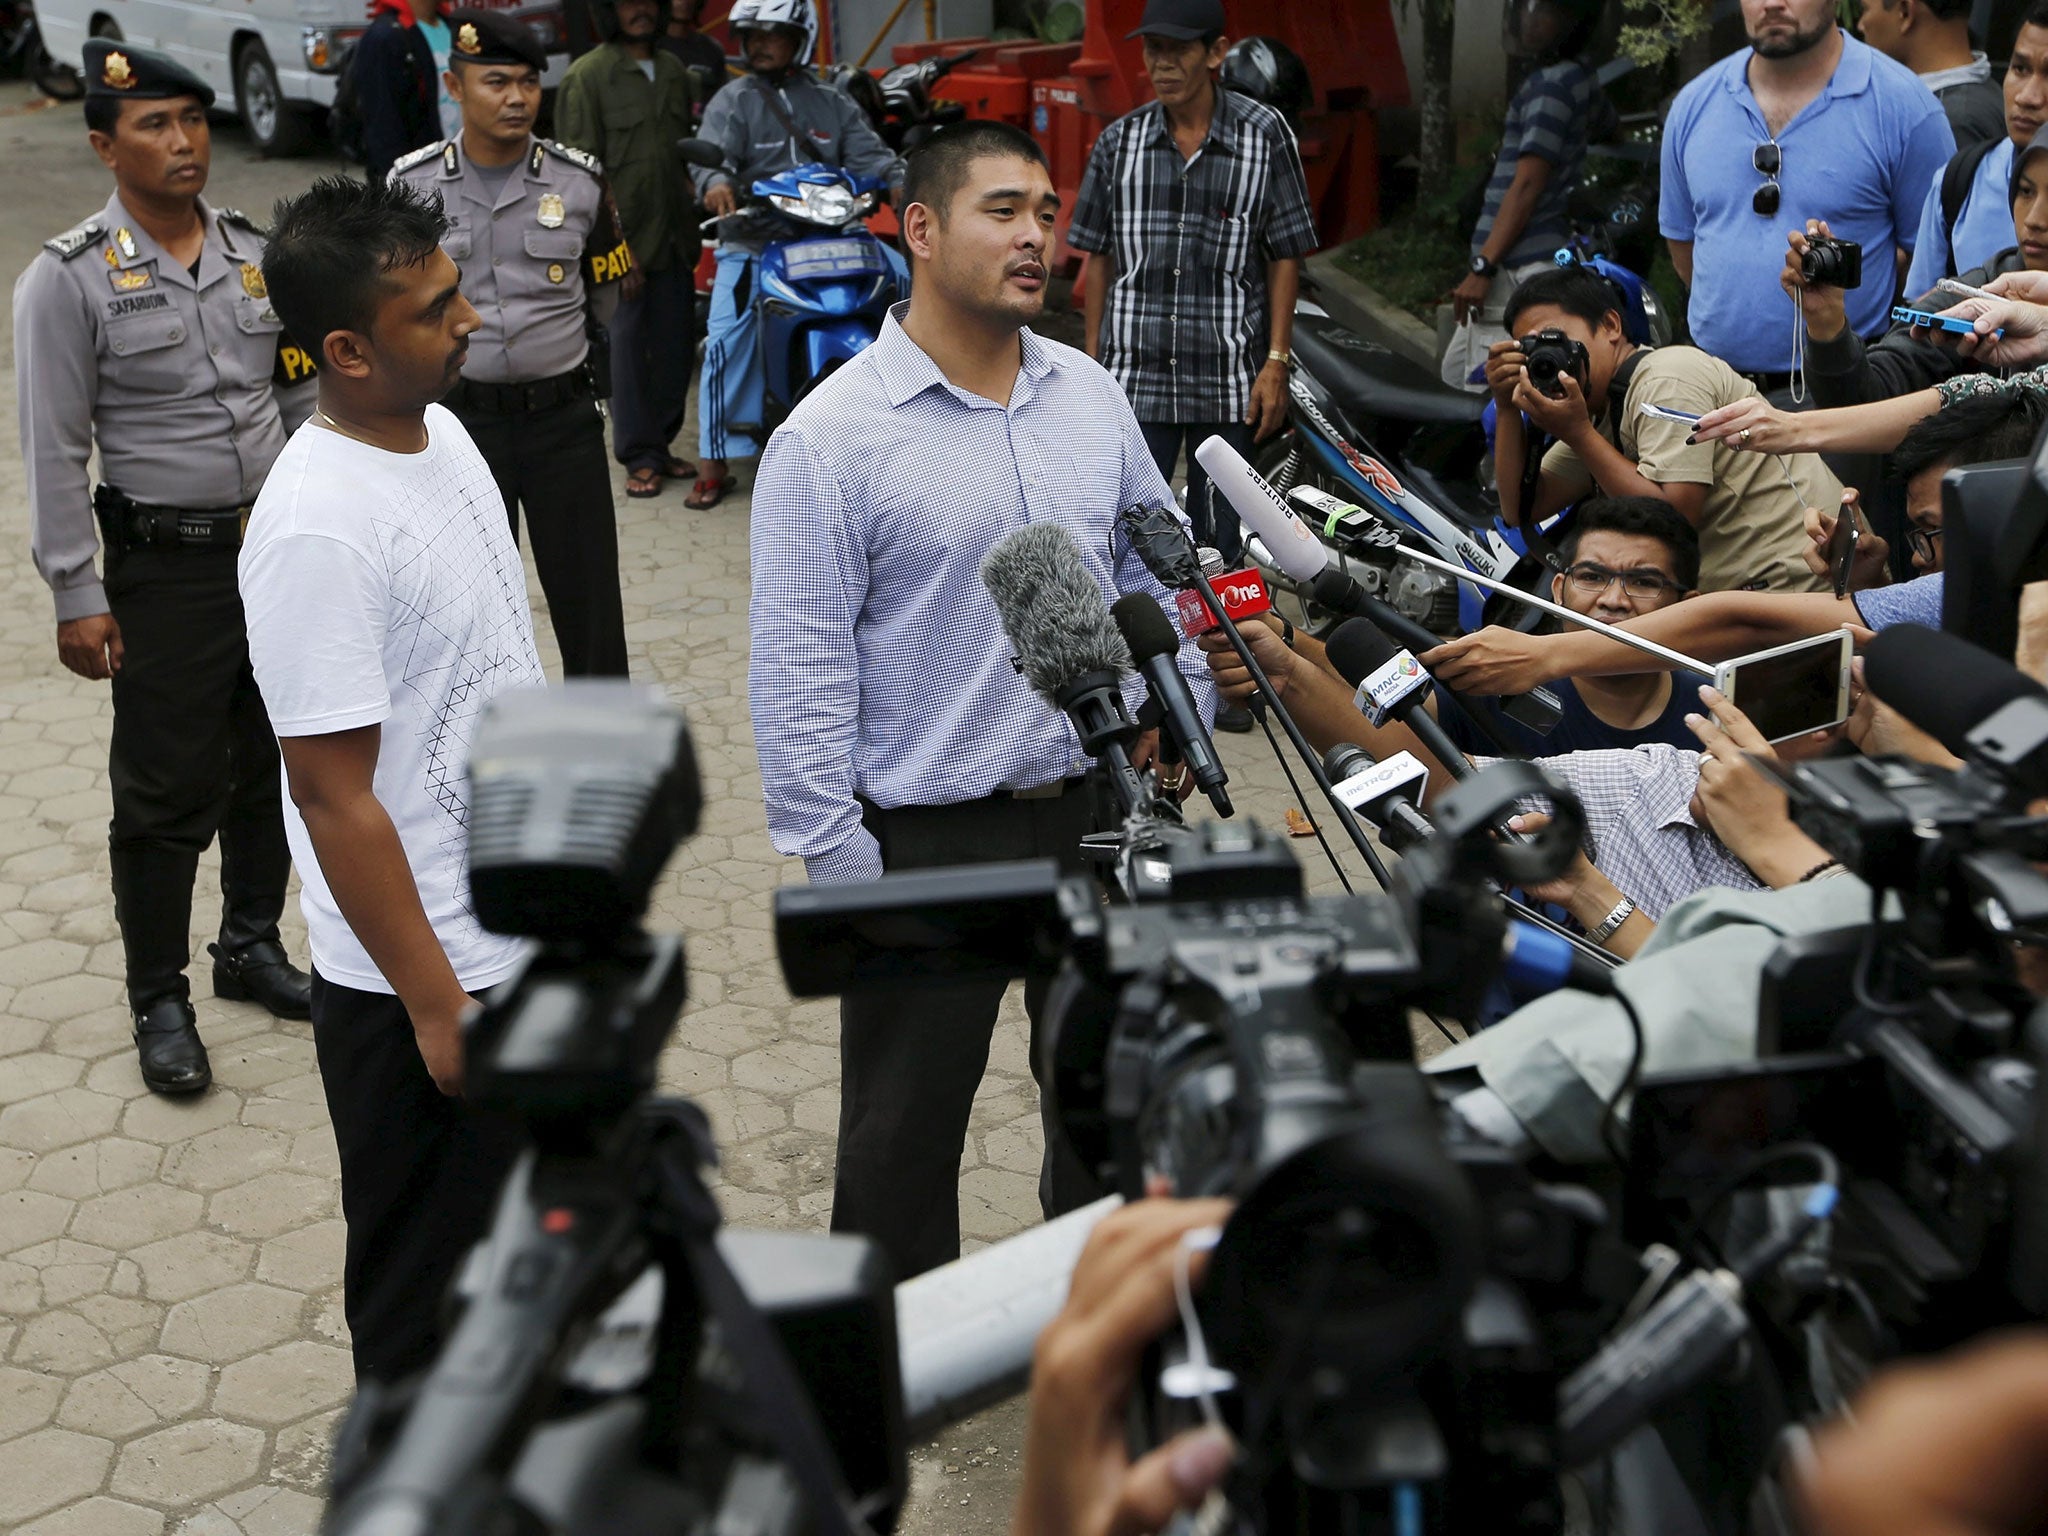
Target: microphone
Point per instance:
(1067, 650)
(1979, 707)
(1391, 685)
(1388, 794)
(1154, 645)
(1293, 548)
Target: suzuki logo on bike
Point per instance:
(1374, 473)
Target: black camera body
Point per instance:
(1833, 263)
(1548, 356)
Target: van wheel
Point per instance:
(276, 128)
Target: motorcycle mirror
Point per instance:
(700, 152)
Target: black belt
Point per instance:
(517, 399)
(126, 523)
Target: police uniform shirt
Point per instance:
(185, 381)
(527, 249)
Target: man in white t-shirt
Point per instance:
(387, 606)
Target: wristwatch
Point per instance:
(1481, 267)
(1624, 909)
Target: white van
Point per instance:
(274, 61)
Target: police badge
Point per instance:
(126, 242)
(552, 213)
(556, 272)
(118, 73)
(252, 281)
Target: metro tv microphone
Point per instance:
(1067, 649)
(1154, 645)
(1392, 685)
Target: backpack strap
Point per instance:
(1957, 177)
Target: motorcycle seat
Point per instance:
(1371, 383)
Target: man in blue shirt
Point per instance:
(1982, 225)
(1624, 556)
(1806, 123)
(892, 730)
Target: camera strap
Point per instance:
(785, 1409)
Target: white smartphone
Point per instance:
(1665, 413)
(1790, 690)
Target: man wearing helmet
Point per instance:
(777, 116)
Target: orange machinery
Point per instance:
(1064, 93)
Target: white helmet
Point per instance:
(799, 14)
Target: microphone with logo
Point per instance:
(1066, 648)
(1154, 645)
(1392, 685)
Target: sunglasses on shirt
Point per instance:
(1768, 159)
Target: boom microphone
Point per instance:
(1392, 685)
(1154, 644)
(1974, 704)
(1067, 649)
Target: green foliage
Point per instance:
(1050, 21)
(1416, 257)
(1657, 29)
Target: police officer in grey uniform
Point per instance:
(543, 258)
(146, 330)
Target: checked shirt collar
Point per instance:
(907, 370)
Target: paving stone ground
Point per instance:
(172, 1351)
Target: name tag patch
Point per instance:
(137, 304)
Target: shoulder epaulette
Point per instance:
(407, 161)
(80, 237)
(579, 157)
(239, 219)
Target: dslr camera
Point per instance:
(1834, 263)
(1549, 355)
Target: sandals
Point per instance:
(643, 483)
(708, 492)
(678, 469)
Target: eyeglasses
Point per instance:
(1594, 579)
(1767, 159)
(1922, 542)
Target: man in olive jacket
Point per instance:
(627, 103)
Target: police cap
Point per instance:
(122, 71)
(493, 37)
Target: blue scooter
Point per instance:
(824, 282)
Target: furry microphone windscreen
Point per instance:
(1051, 609)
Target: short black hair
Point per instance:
(332, 246)
(2036, 16)
(935, 171)
(1977, 429)
(1646, 516)
(1576, 290)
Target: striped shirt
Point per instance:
(1188, 327)
(1640, 831)
(1547, 118)
(880, 669)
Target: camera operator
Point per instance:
(1748, 514)
(1843, 370)
(892, 729)
(1078, 1477)
(1950, 1447)
(2000, 424)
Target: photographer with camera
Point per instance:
(1846, 371)
(1577, 378)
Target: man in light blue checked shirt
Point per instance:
(892, 729)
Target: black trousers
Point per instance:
(192, 757)
(1216, 525)
(654, 346)
(419, 1177)
(909, 1062)
(551, 465)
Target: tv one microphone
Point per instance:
(1392, 685)
(1155, 645)
(1066, 648)
(1984, 710)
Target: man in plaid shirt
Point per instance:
(1197, 213)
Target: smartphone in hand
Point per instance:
(1842, 546)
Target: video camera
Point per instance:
(618, 1364)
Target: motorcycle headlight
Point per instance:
(828, 203)
(795, 207)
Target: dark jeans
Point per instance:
(551, 464)
(1216, 525)
(909, 1062)
(654, 344)
(419, 1177)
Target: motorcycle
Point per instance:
(824, 283)
(1388, 435)
(900, 102)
